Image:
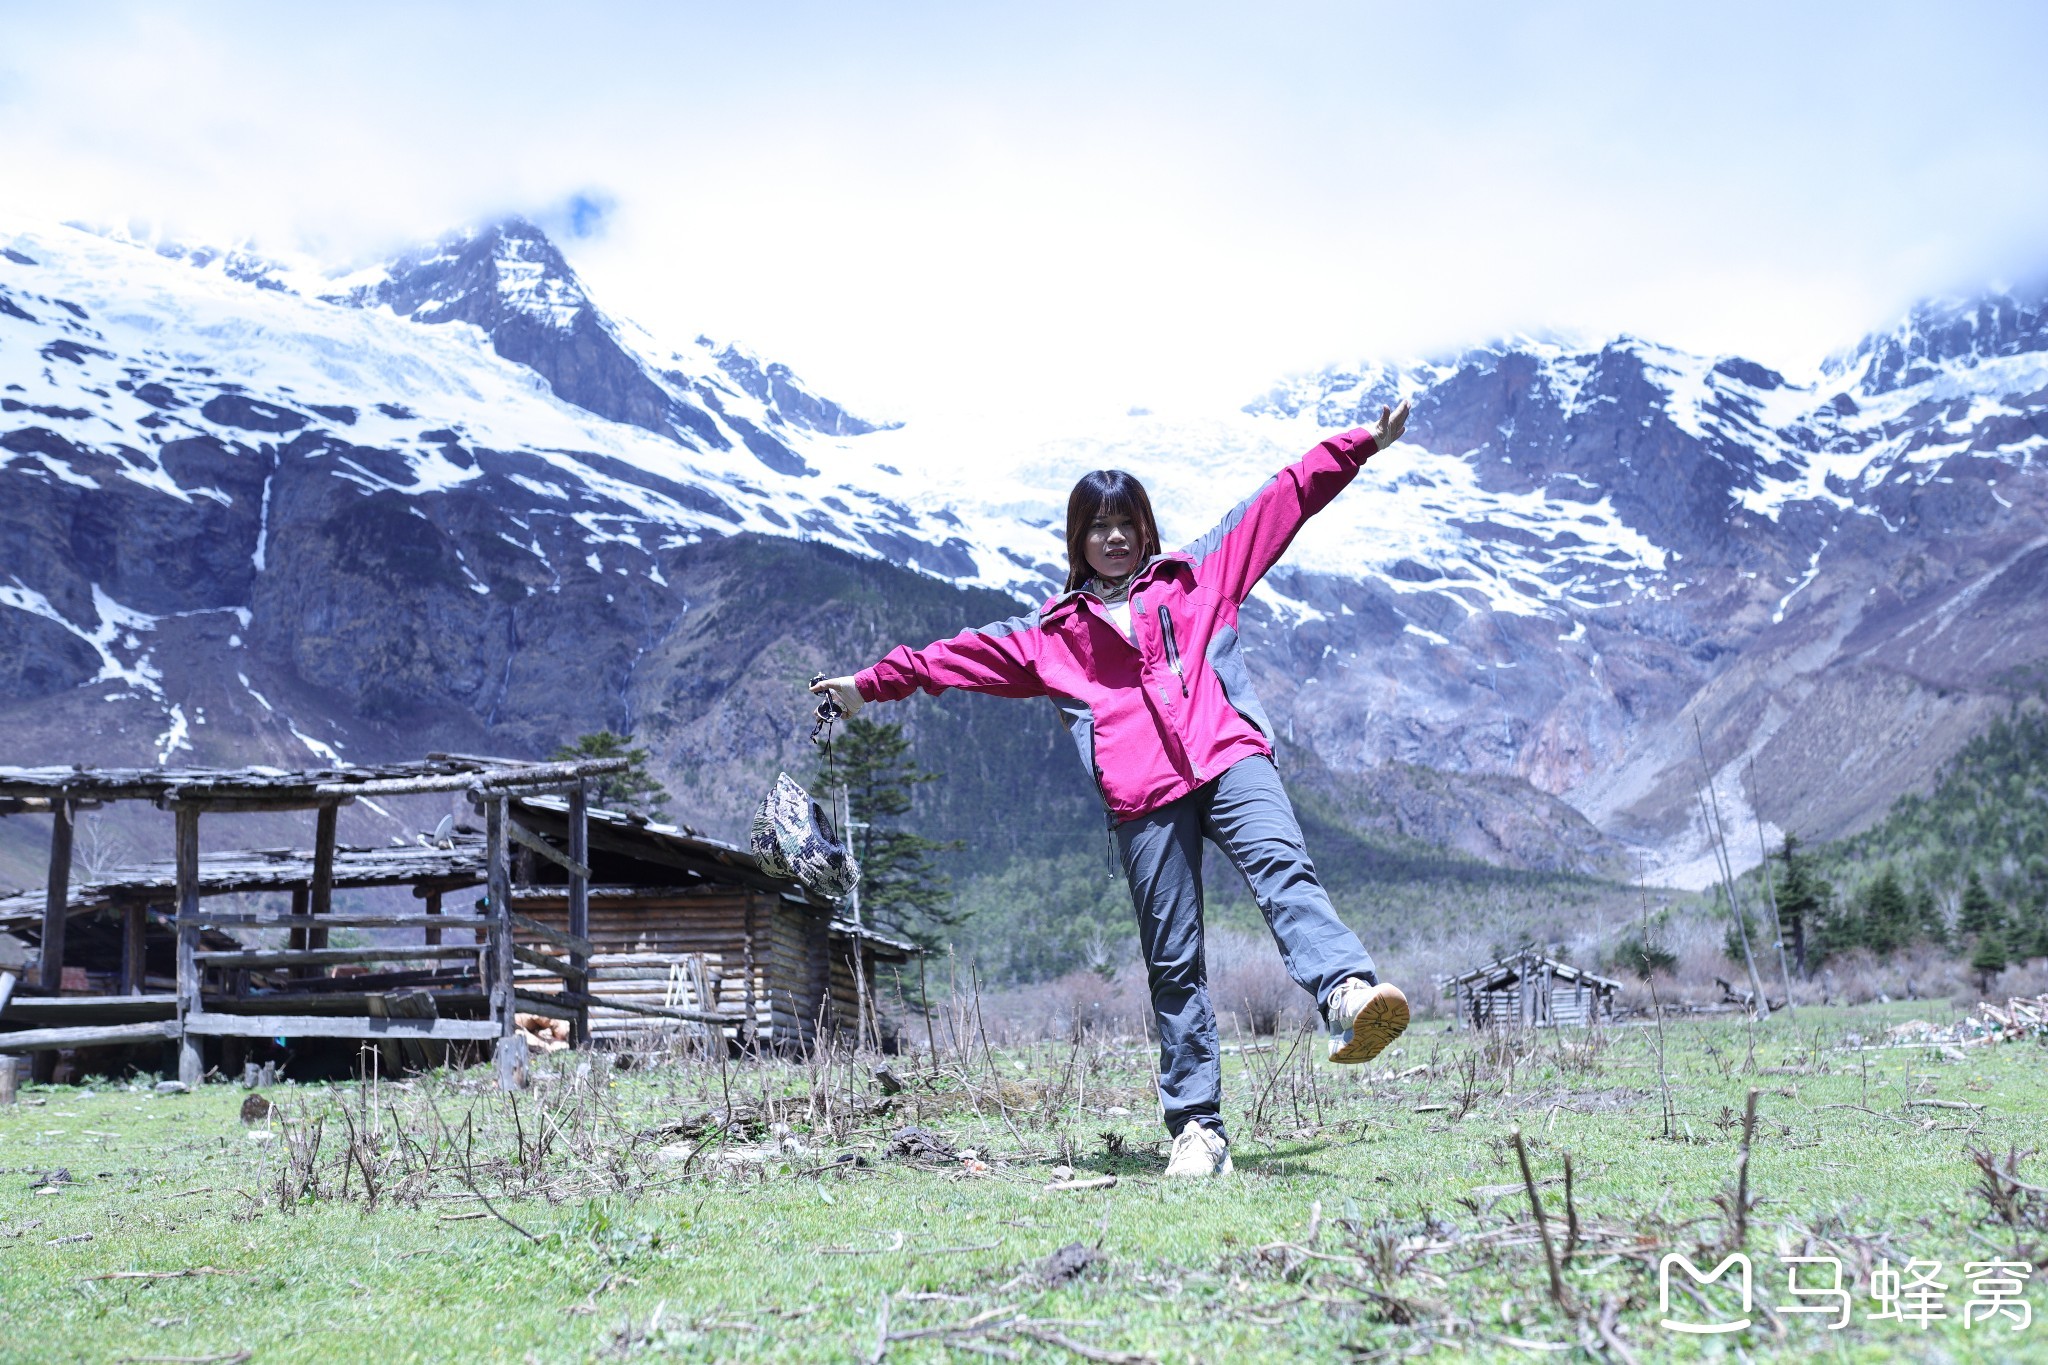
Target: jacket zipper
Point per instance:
(1172, 649)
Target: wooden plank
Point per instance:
(344, 920)
(545, 961)
(612, 1002)
(329, 957)
(569, 943)
(93, 1035)
(334, 1026)
(504, 779)
(99, 1009)
(526, 839)
(7, 984)
(553, 1006)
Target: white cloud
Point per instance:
(1029, 216)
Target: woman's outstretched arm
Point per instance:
(1254, 534)
(999, 658)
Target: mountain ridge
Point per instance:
(413, 483)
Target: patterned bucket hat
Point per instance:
(792, 838)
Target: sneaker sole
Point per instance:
(1384, 1018)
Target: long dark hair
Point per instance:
(1115, 492)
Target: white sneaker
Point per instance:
(1199, 1151)
(1364, 1019)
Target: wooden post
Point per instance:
(56, 904)
(321, 899)
(749, 1033)
(301, 896)
(511, 1050)
(579, 910)
(433, 908)
(56, 897)
(190, 1064)
(134, 948)
(8, 1078)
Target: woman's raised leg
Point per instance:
(1251, 820)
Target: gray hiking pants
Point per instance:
(1247, 815)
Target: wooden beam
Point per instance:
(335, 1026)
(368, 919)
(52, 1010)
(190, 1060)
(570, 943)
(433, 931)
(525, 838)
(247, 805)
(329, 957)
(56, 897)
(100, 1035)
(547, 962)
(611, 1002)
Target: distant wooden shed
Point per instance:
(1529, 990)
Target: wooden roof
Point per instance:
(1504, 969)
(24, 789)
(264, 869)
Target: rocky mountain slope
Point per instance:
(255, 511)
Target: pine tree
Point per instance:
(1802, 899)
(901, 891)
(1989, 959)
(631, 789)
(1887, 915)
(1928, 922)
(2031, 938)
(1979, 913)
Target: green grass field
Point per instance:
(1375, 1212)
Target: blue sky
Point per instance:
(1037, 215)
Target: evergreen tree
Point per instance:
(2030, 937)
(1802, 899)
(1989, 959)
(1638, 952)
(1928, 922)
(1887, 915)
(632, 788)
(1979, 914)
(901, 891)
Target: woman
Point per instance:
(1140, 655)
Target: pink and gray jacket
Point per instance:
(1157, 718)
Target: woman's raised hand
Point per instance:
(842, 691)
(1392, 423)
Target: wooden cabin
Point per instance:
(679, 920)
(683, 931)
(1529, 990)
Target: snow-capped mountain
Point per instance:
(256, 509)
